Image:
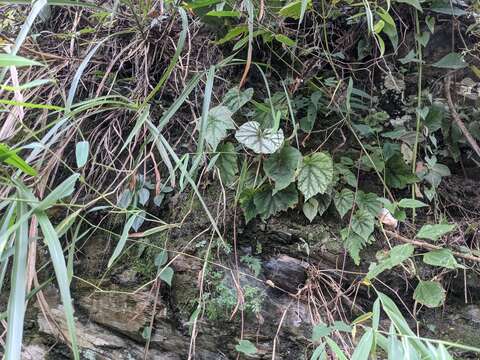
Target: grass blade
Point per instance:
(58, 261)
(123, 239)
(173, 62)
(16, 304)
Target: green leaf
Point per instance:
(316, 174)
(441, 257)
(246, 347)
(247, 203)
(285, 40)
(11, 158)
(294, 9)
(363, 224)
(58, 260)
(63, 190)
(224, 13)
(310, 209)
(7, 60)
(396, 256)
(166, 275)
(227, 162)
(123, 239)
(320, 331)
(231, 34)
(341, 326)
(362, 351)
(411, 204)
(368, 202)
(218, 122)
(344, 201)
(16, 300)
(161, 258)
(281, 166)
(81, 153)
(414, 3)
(353, 243)
(234, 99)
(429, 293)
(261, 141)
(451, 61)
(324, 201)
(268, 203)
(435, 232)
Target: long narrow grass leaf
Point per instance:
(123, 239)
(58, 261)
(16, 304)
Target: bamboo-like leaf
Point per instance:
(123, 239)
(58, 261)
(63, 190)
(16, 304)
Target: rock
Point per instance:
(286, 272)
(98, 342)
(125, 313)
(34, 351)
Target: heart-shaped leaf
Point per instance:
(268, 203)
(227, 162)
(344, 201)
(429, 293)
(363, 224)
(315, 175)
(218, 122)
(281, 166)
(261, 141)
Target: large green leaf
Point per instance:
(429, 293)
(368, 202)
(218, 122)
(269, 203)
(227, 162)
(247, 203)
(396, 256)
(435, 232)
(451, 61)
(281, 166)
(261, 141)
(234, 99)
(344, 201)
(316, 174)
(363, 224)
(441, 257)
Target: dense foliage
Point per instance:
(353, 111)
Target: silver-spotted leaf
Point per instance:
(261, 141)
